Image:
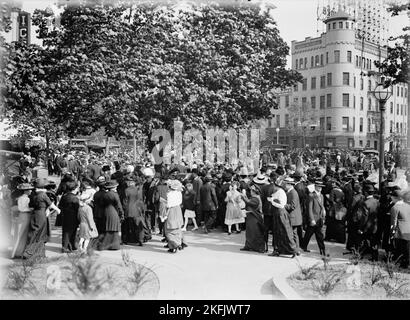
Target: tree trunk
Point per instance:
(47, 149)
(107, 145)
(134, 147)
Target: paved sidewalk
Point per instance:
(212, 266)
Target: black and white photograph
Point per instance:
(197, 150)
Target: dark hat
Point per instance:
(174, 170)
(111, 184)
(297, 175)
(368, 188)
(280, 171)
(129, 178)
(106, 167)
(25, 186)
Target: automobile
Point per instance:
(9, 162)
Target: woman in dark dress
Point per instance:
(255, 228)
(39, 230)
(114, 215)
(69, 205)
(283, 241)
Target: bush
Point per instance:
(326, 282)
(376, 274)
(87, 278)
(19, 279)
(138, 278)
(19, 276)
(307, 273)
(395, 287)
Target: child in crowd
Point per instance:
(189, 206)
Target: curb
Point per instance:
(284, 289)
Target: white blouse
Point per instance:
(280, 195)
(23, 202)
(174, 198)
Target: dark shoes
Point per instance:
(164, 240)
(274, 254)
(172, 250)
(305, 249)
(239, 231)
(184, 245)
(166, 246)
(229, 233)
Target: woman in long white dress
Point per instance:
(233, 210)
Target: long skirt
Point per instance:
(282, 232)
(20, 234)
(38, 235)
(335, 230)
(172, 225)
(174, 237)
(133, 230)
(255, 232)
(110, 240)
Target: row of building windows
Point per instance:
(340, 25)
(362, 62)
(371, 125)
(325, 101)
(318, 60)
(325, 124)
(327, 81)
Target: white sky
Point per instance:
(296, 19)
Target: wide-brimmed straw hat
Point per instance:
(319, 183)
(111, 185)
(25, 186)
(260, 179)
(289, 180)
(41, 183)
(175, 185)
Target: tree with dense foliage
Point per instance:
(396, 65)
(126, 67)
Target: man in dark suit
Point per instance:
(98, 206)
(266, 191)
(368, 228)
(392, 171)
(316, 214)
(209, 203)
(302, 191)
(295, 213)
(227, 178)
(94, 170)
(197, 184)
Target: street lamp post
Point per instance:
(277, 135)
(382, 93)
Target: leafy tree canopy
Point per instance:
(124, 67)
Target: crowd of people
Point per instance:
(104, 203)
